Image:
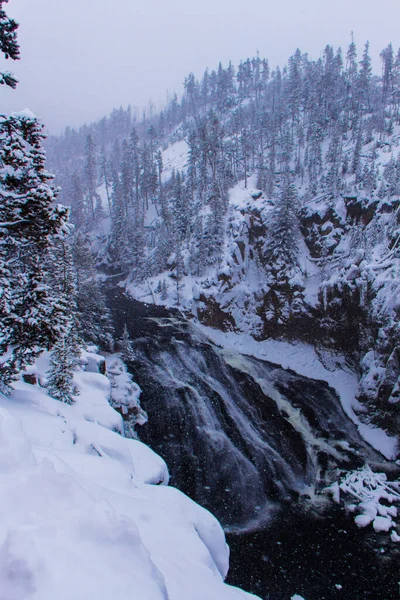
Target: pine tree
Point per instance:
(282, 243)
(106, 175)
(164, 292)
(29, 219)
(124, 346)
(365, 78)
(94, 321)
(387, 68)
(91, 173)
(77, 201)
(356, 164)
(333, 159)
(66, 352)
(122, 228)
(351, 62)
(60, 384)
(35, 310)
(8, 44)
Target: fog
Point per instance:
(82, 58)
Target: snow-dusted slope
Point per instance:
(83, 515)
(342, 291)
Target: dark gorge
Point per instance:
(257, 445)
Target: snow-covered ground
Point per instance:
(86, 513)
(174, 157)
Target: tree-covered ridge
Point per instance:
(310, 119)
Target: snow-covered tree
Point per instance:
(60, 383)
(93, 316)
(30, 219)
(282, 242)
(66, 351)
(91, 175)
(124, 346)
(8, 44)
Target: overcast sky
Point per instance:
(82, 58)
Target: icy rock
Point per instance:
(334, 489)
(363, 520)
(30, 378)
(394, 536)
(382, 524)
(353, 273)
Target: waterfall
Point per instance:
(240, 435)
(257, 444)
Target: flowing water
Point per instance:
(257, 444)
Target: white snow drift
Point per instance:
(82, 514)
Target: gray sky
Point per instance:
(82, 58)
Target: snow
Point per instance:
(151, 215)
(102, 193)
(394, 536)
(125, 395)
(382, 524)
(82, 517)
(304, 360)
(241, 197)
(26, 113)
(174, 157)
(373, 496)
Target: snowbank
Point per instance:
(82, 517)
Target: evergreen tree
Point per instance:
(94, 321)
(333, 159)
(282, 244)
(30, 219)
(60, 383)
(122, 235)
(365, 79)
(124, 346)
(91, 174)
(351, 62)
(8, 44)
(77, 201)
(106, 175)
(66, 351)
(387, 68)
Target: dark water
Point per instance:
(256, 445)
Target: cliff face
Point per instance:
(342, 291)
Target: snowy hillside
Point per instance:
(263, 202)
(87, 512)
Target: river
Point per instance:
(257, 444)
